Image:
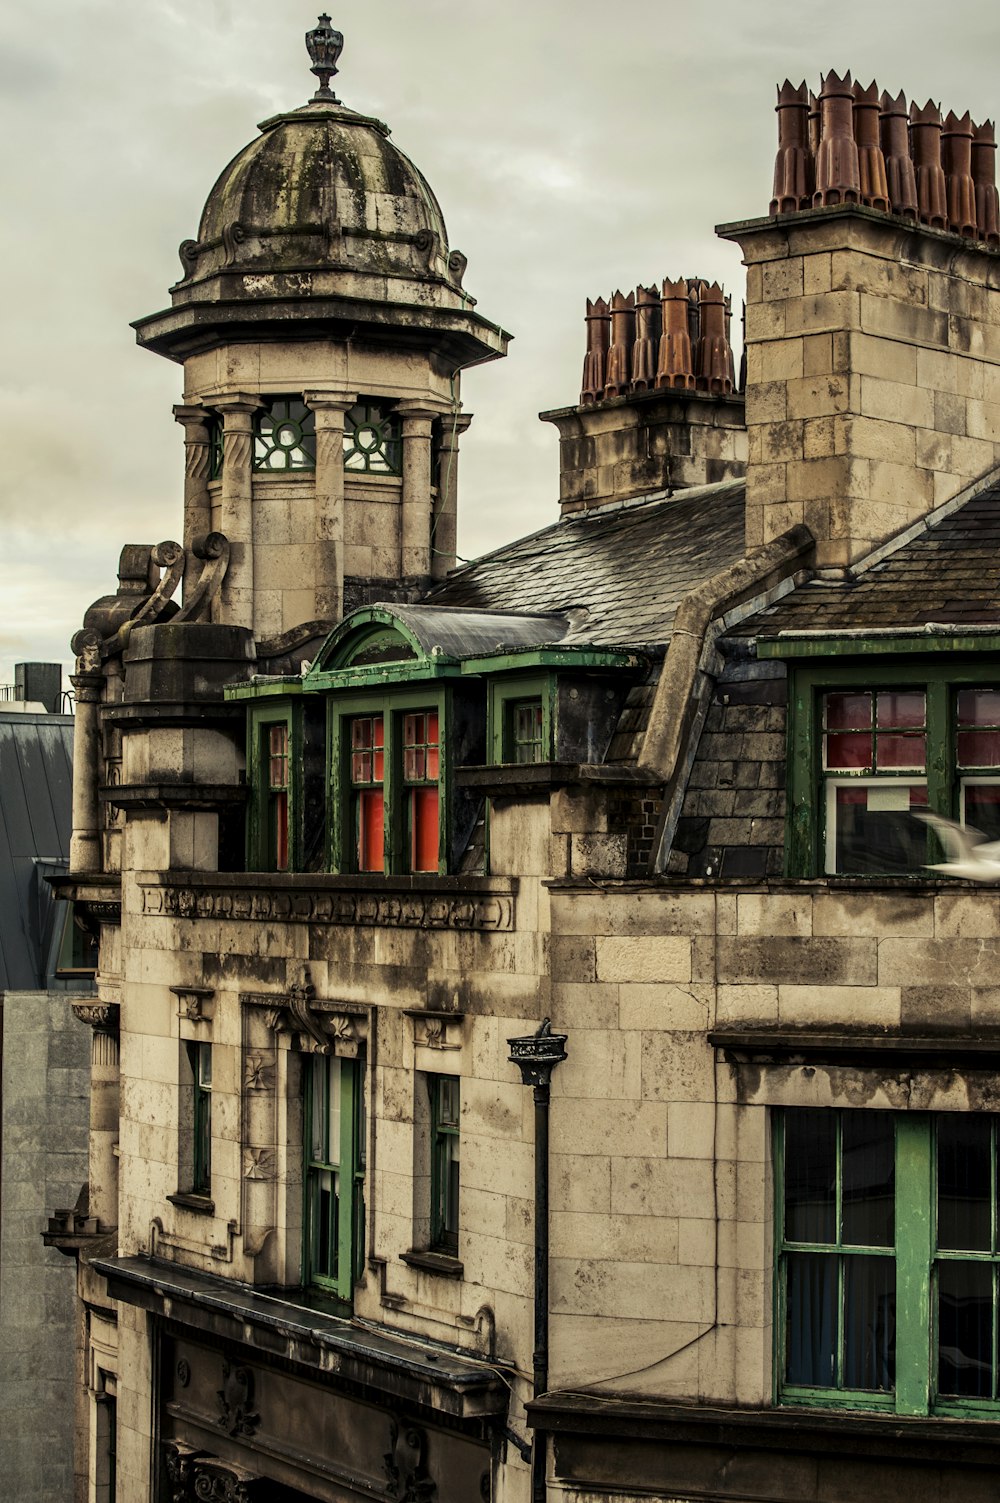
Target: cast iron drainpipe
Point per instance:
(536, 1057)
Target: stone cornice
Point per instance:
(477, 903)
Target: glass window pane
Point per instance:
(981, 808)
(979, 707)
(898, 709)
(965, 1329)
(874, 830)
(811, 1319)
(333, 1069)
(964, 1153)
(850, 750)
(810, 1176)
(869, 1322)
(868, 1170)
(848, 712)
(979, 748)
(900, 751)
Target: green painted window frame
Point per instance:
(260, 718)
(341, 710)
(446, 1109)
(502, 699)
(916, 1257)
(340, 1269)
(200, 1060)
(383, 456)
(806, 784)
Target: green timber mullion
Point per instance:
(345, 1179)
(778, 1282)
(914, 1261)
(940, 748)
(803, 754)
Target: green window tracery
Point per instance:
(284, 435)
(372, 443)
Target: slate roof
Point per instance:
(948, 574)
(620, 571)
(36, 788)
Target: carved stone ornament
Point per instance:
(405, 1467)
(491, 912)
(258, 1164)
(103, 1017)
(194, 1474)
(257, 1073)
(237, 1415)
(194, 1002)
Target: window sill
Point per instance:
(434, 1262)
(201, 1205)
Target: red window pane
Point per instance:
(371, 827)
(979, 748)
(900, 710)
(414, 761)
(361, 733)
(361, 767)
(900, 752)
(433, 757)
(850, 750)
(277, 747)
(979, 707)
(848, 712)
(424, 839)
(279, 815)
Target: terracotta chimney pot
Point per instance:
(594, 362)
(838, 176)
(619, 367)
(956, 142)
(901, 179)
(871, 162)
(792, 166)
(984, 170)
(675, 365)
(925, 148)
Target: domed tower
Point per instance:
(322, 325)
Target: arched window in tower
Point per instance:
(284, 435)
(372, 440)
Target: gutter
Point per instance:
(680, 701)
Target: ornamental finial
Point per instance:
(324, 46)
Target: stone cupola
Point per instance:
(321, 322)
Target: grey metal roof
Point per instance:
(36, 786)
(619, 573)
(464, 633)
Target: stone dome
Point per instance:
(321, 228)
(322, 187)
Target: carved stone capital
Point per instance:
(194, 418)
(103, 1017)
(330, 401)
(453, 425)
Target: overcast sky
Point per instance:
(575, 146)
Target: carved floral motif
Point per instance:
(492, 912)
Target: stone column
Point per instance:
(415, 529)
(85, 841)
(329, 407)
(444, 527)
(235, 606)
(197, 464)
(104, 1103)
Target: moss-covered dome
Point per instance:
(321, 187)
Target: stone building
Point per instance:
(44, 1081)
(627, 811)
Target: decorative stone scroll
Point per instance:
(194, 1002)
(193, 1474)
(436, 1030)
(319, 1027)
(490, 912)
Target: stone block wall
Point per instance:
(649, 441)
(873, 374)
(44, 1105)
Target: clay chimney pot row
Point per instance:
(857, 145)
(673, 338)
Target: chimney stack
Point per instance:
(872, 320)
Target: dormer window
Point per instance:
(372, 443)
(284, 435)
(392, 822)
